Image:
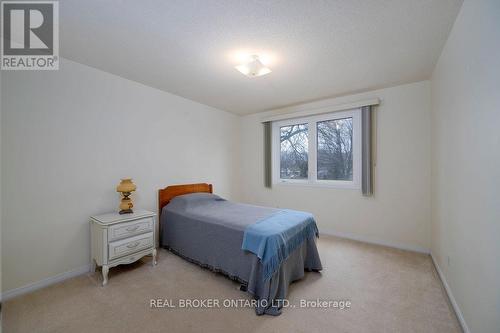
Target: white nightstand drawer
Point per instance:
(128, 229)
(130, 245)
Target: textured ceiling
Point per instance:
(317, 48)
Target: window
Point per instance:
(334, 149)
(322, 150)
(294, 146)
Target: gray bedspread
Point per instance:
(208, 230)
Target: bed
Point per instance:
(226, 237)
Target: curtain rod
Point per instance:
(321, 110)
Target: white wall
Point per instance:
(67, 138)
(466, 163)
(399, 213)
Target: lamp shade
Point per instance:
(126, 185)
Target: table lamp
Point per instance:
(126, 187)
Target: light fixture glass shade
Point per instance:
(126, 185)
(253, 68)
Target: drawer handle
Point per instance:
(132, 228)
(130, 246)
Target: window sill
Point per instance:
(339, 184)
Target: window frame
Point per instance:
(312, 162)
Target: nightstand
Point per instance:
(121, 239)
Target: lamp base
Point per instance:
(126, 211)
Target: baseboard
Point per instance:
(43, 283)
(453, 302)
(370, 240)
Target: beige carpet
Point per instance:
(390, 291)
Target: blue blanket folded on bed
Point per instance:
(275, 237)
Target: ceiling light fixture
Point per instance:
(254, 67)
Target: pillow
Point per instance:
(193, 199)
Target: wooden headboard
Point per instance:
(170, 192)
